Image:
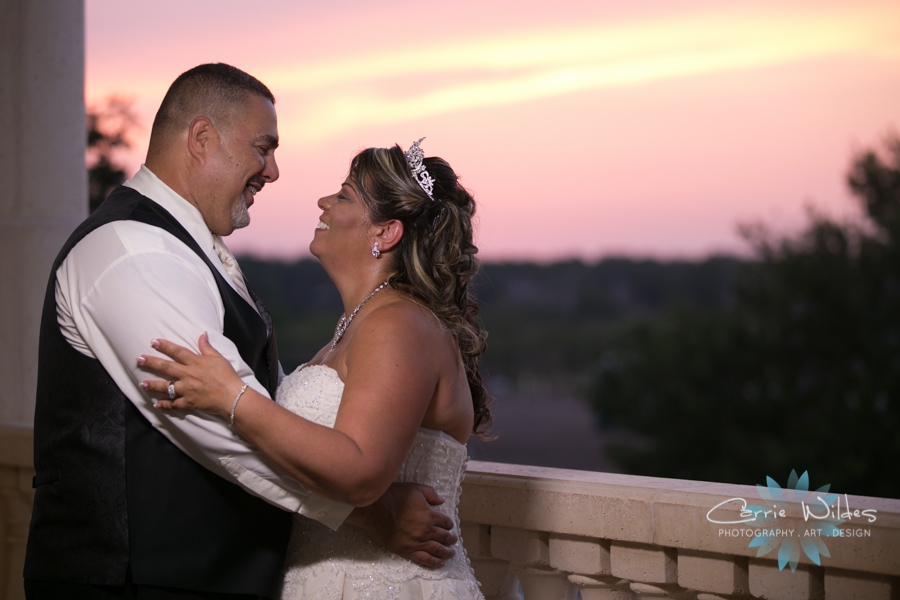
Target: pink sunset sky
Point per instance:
(584, 128)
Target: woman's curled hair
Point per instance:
(435, 261)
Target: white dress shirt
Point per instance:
(126, 283)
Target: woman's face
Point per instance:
(342, 232)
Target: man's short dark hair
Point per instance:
(216, 91)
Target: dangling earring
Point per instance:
(375, 251)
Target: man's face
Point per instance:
(241, 164)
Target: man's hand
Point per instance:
(404, 522)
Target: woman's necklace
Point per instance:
(344, 323)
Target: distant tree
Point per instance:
(109, 126)
(803, 372)
(304, 304)
(569, 308)
(554, 320)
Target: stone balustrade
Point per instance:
(556, 533)
(16, 495)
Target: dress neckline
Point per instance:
(327, 367)
(433, 432)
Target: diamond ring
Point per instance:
(171, 390)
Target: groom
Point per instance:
(130, 502)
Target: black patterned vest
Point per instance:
(112, 493)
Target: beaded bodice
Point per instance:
(435, 459)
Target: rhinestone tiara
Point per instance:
(414, 158)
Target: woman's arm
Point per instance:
(392, 370)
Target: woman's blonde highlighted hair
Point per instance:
(435, 261)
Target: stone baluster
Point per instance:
(496, 576)
(714, 576)
(645, 591)
(767, 581)
(601, 588)
(540, 583)
(588, 562)
(529, 554)
(652, 570)
(841, 584)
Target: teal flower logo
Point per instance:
(788, 541)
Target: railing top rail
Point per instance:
(529, 475)
(670, 513)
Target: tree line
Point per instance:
(720, 370)
(801, 371)
(542, 320)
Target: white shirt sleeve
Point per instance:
(158, 288)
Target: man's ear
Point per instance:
(202, 135)
(389, 234)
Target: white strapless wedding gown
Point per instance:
(323, 564)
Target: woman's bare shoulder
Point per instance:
(406, 315)
(405, 327)
(396, 342)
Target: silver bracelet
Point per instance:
(234, 406)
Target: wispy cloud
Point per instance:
(423, 81)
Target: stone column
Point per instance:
(42, 143)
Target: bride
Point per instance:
(392, 397)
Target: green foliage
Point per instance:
(802, 372)
(108, 128)
(304, 304)
(556, 320)
(544, 321)
(719, 370)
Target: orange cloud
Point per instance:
(348, 93)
